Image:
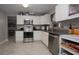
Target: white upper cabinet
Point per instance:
(66, 12)
(20, 19)
(45, 19)
(19, 36)
(61, 12)
(36, 19)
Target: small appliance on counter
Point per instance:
(28, 30)
(28, 22)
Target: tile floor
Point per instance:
(20, 48)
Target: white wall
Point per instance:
(3, 26)
(61, 12)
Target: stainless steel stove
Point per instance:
(28, 30)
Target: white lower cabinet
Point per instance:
(44, 37)
(37, 35)
(41, 35)
(19, 36)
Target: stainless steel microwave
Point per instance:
(28, 21)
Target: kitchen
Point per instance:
(40, 29)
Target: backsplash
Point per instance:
(73, 22)
(20, 27)
(63, 28)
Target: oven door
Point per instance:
(53, 44)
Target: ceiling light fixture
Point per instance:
(25, 5)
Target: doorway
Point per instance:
(11, 28)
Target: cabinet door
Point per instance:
(45, 19)
(36, 19)
(37, 35)
(19, 36)
(61, 12)
(20, 19)
(44, 38)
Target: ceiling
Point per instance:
(32, 8)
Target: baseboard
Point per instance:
(3, 41)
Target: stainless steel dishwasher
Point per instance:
(53, 44)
